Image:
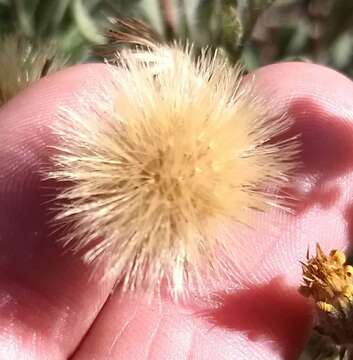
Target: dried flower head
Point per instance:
(328, 281)
(23, 62)
(163, 162)
(127, 32)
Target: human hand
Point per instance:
(51, 308)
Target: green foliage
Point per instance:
(320, 31)
(76, 25)
(256, 31)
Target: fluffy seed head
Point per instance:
(162, 162)
(22, 62)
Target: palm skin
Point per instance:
(52, 308)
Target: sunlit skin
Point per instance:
(50, 306)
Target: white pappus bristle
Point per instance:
(161, 162)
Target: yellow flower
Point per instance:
(328, 281)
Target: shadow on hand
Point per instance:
(326, 145)
(272, 311)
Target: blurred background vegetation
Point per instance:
(258, 32)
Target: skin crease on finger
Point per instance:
(48, 302)
(47, 299)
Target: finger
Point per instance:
(262, 316)
(47, 298)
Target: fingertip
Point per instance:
(35, 270)
(320, 102)
(25, 120)
(284, 82)
(38, 103)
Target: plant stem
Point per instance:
(168, 17)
